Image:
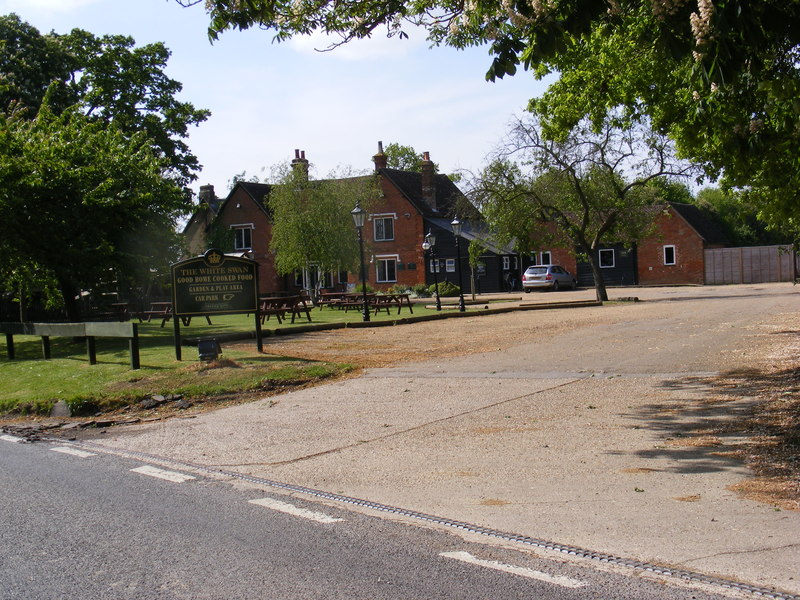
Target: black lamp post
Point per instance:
(456, 225)
(359, 217)
(427, 245)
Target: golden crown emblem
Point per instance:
(213, 257)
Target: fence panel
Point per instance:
(760, 264)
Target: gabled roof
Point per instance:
(450, 202)
(698, 221)
(475, 230)
(257, 192)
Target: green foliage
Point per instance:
(109, 78)
(404, 158)
(220, 237)
(736, 214)
(588, 189)
(312, 224)
(420, 290)
(446, 290)
(359, 289)
(80, 198)
(92, 160)
(721, 78)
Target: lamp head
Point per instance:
(359, 216)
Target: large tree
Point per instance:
(584, 191)
(312, 225)
(720, 76)
(81, 201)
(109, 78)
(109, 93)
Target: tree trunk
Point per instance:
(71, 306)
(599, 283)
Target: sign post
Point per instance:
(214, 284)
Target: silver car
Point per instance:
(551, 277)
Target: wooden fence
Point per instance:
(81, 330)
(759, 264)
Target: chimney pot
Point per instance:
(380, 159)
(428, 181)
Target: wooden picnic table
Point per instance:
(355, 301)
(116, 310)
(386, 301)
(333, 299)
(163, 311)
(281, 306)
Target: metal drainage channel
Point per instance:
(495, 533)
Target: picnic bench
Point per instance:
(163, 311)
(281, 306)
(381, 302)
(332, 299)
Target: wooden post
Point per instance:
(91, 349)
(176, 324)
(46, 346)
(133, 344)
(259, 341)
(10, 345)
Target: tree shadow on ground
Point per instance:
(742, 416)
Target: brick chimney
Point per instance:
(300, 163)
(380, 159)
(208, 196)
(428, 181)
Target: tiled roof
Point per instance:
(706, 228)
(450, 202)
(257, 191)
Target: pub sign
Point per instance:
(214, 283)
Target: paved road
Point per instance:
(78, 524)
(587, 432)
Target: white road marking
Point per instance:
(73, 451)
(10, 438)
(162, 474)
(291, 509)
(523, 571)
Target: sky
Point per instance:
(268, 99)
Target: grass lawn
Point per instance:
(31, 384)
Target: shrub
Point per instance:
(360, 289)
(446, 289)
(399, 289)
(421, 291)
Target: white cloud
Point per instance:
(377, 47)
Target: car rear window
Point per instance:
(537, 270)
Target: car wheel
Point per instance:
(574, 284)
(527, 290)
(555, 286)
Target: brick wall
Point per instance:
(406, 245)
(241, 209)
(671, 230)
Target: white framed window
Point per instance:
(435, 265)
(242, 236)
(606, 258)
(386, 268)
(506, 263)
(383, 227)
(450, 265)
(669, 255)
(545, 258)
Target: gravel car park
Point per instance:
(551, 277)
